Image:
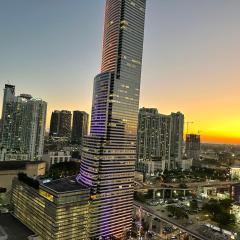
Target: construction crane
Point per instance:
(188, 123)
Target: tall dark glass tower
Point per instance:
(8, 96)
(54, 124)
(79, 126)
(109, 153)
(60, 125)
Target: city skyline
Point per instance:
(190, 50)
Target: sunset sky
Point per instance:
(191, 63)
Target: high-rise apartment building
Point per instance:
(65, 124)
(60, 125)
(153, 142)
(109, 153)
(79, 126)
(193, 147)
(177, 128)
(160, 138)
(24, 119)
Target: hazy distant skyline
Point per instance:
(52, 50)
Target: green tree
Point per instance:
(1, 199)
(64, 169)
(224, 218)
(149, 194)
(139, 197)
(177, 212)
(226, 203)
(220, 212)
(194, 204)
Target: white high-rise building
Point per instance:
(24, 120)
(153, 142)
(160, 139)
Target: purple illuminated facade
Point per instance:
(109, 153)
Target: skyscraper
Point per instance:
(160, 137)
(79, 126)
(60, 125)
(8, 96)
(23, 127)
(54, 124)
(65, 124)
(153, 137)
(177, 127)
(109, 153)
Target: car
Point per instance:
(161, 201)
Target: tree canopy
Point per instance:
(219, 211)
(64, 169)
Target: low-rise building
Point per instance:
(235, 209)
(138, 176)
(156, 166)
(12, 155)
(186, 164)
(151, 167)
(235, 192)
(235, 172)
(10, 169)
(57, 210)
(54, 157)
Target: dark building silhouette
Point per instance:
(193, 147)
(60, 125)
(79, 126)
(54, 124)
(8, 96)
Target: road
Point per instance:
(193, 185)
(160, 216)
